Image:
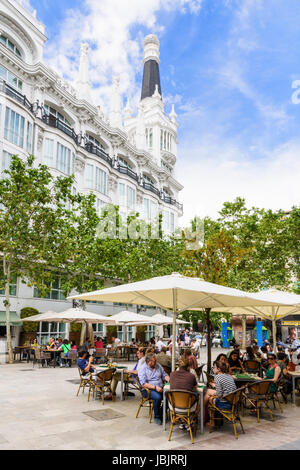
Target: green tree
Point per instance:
(32, 222)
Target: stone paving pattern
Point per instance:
(40, 410)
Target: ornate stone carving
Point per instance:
(40, 139)
(79, 165)
(112, 183)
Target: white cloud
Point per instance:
(221, 172)
(108, 26)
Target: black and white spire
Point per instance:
(151, 76)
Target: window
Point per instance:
(121, 188)
(53, 112)
(10, 45)
(100, 205)
(150, 332)
(89, 176)
(124, 163)
(10, 78)
(130, 198)
(95, 141)
(14, 127)
(100, 184)
(120, 333)
(166, 221)
(149, 137)
(48, 151)
(98, 329)
(150, 209)
(12, 287)
(172, 222)
(147, 179)
(29, 137)
(63, 159)
(6, 159)
(55, 291)
(47, 330)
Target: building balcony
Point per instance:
(15, 94)
(58, 124)
(91, 148)
(127, 171)
(170, 200)
(151, 188)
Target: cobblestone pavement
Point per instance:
(40, 410)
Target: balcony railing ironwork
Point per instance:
(15, 94)
(151, 188)
(170, 200)
(61, 125)
(90, 147)
(127, 171)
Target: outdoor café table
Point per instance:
(200, 389)
(119, 368)
(294, 375)
(243, 379)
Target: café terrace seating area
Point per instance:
(186, 420)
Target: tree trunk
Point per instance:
(83, 326)
(7, 309)
(208, 322)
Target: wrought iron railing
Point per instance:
(90, 147)
(15, 94)
(151, 188)
(127, 171)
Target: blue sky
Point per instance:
(228, 65)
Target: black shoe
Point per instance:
(130, 394)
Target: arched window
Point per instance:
(53, 112)
(124, 163)
(10, 45)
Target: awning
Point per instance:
(14, 319)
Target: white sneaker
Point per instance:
(181, 426)
(60, 365)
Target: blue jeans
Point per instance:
(223, 405)
(157, 399)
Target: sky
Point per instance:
(229, 66)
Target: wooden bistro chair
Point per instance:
(100, 355)
(252, 366)
(146, 402)
(85, 381)
(102, 384)
(183, 406)
(259, 394)
(41, 357)
(231, 415)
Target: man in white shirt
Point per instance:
(129, 375)
(160, 344)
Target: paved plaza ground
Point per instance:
(40, 410)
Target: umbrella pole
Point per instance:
(274, 331)
(174, 330)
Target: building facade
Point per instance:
(123, 159)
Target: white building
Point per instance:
(124, 159)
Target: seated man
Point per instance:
(159, 345)
(183, 379)
(152, 376)
(84, 364)
(163, 359)
(129, 375)
(190, 358)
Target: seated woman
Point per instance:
(249, 355)
(224, 384)
(73, 346)
(235, 364)
(189, 356)
(273, 371)
(98, 343)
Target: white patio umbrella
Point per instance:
(177, 293)
(164, 320)
(71, 315)
(286, 303)
(129, 318)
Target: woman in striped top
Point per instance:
(224, 384)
